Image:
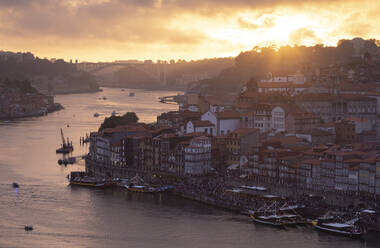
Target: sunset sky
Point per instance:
(107, 30)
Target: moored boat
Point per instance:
(140, 188)
(80, 178)
(275, 219)
(272, 220)
(28, 228)
(346, 229)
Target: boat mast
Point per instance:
(63, 139)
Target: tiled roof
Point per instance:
(126, 128)
(202, 123)
(282, 85)
(245, 131)
(312, 161)
(228, 114)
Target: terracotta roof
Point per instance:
(353, 161)
(221, 136)
(245, 131)
(243, 105)
(319, 132)
(216, 100)
(354, 167)
(138, 135)
(328, 97)
(282, 85)
(203, 137)
(328, 124)
(228, 114)
(312, 161)
(305, 115)
(356, 119)
(126, 128)
(266, 106)
(195, 134)
(286, 140)
(116, 144)
(248, 94)
(202, 123)
(357, 87)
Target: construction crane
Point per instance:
(66, 147)
(63, 139)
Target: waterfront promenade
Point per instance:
(222, 191)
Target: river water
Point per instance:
(65, 216)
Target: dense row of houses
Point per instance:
(350, 169)
(145, 148)
(318, 141)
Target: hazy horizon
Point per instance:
(108, 30)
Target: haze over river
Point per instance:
(65, 216)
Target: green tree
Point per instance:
(114, 121)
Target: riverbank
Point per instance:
(69, 92)
(51, 109)
(152, 88)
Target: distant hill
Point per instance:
(177, 74)
(285, 60)
(53, 77)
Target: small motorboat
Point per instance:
(104, 98)
(96, 115)
(28, 228)
(15, 185)
(121, 182)
(65, 161)
(131, 93)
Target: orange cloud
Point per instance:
(164, 29)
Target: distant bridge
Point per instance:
(157, 71)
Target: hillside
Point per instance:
(49, 77)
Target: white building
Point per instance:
(103, 149)
(225, 121)
(198, 156)
(262, 117)
(297, 78)
(200, 127)
(115, 154)
(361, 124)
(278, 119)
(268, 117)
(284, 87)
